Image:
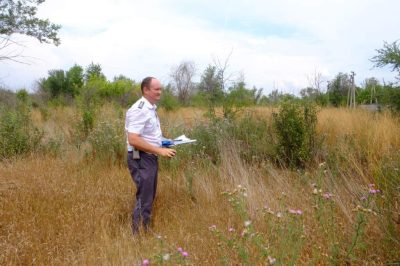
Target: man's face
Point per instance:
(153, 93)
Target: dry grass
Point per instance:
(68, 210)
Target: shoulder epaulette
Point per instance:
(141, 105)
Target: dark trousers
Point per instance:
(144, 175)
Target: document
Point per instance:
(182, 139)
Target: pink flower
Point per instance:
(371, 185)
(180, 249)
(298, 212)
(327, 195)
(185, 254)
(231, 230)
(146, 262)
(374, 191)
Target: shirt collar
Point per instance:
(148, 104)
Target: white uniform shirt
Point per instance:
(142, 119)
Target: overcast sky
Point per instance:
(275, 44)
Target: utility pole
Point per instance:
(351, 95)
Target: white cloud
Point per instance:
(140, 38)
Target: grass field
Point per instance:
(72, 204)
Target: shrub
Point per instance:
(107, 143)
(295, 125)
(18, 135)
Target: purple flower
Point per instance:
(374, 191)
(185, 254)
(298, 212)
(327, 195)
(146, 262)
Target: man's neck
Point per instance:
(152, 103)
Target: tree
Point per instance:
(182, 82)
(338, 89)
(210, 85)
(388, 55)
(19, 16)
(94, 71)
(74, 78)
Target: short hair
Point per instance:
(146, 83)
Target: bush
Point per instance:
(18, 135)
(107, 143)
(295, 125)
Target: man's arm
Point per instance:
(139, 143)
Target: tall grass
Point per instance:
(75, 209)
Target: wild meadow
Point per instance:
(266, 186)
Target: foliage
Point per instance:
(388, 55)
(20, 17)
(18, 134)
(338, 89)
(168, 100)
(107, 143)
(94, 71)
(295, 126)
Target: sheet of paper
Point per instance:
(182, 139)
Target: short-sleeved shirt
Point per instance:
(142, 119)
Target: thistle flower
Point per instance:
(146, 262)
(374, 191)
(180, 249)
(185, 254)
(327, 195)
(298, 212)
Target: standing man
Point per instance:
(144, 134)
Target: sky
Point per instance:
(272, 44)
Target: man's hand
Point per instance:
(166, 152)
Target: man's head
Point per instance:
(151, 89)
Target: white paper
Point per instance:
(182, 139)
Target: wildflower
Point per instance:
(231, 230)
(322, 164)
(271, 260)
(244, 232)
(279, 214)
(327, 195)
(166, 257)
(180, 249)
(374, 191)
(298, 212)
(185, 254)
(247, 223)
(371, 185)
(315, 191)
(146, 262)
(363, 198)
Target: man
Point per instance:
(144, 135)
